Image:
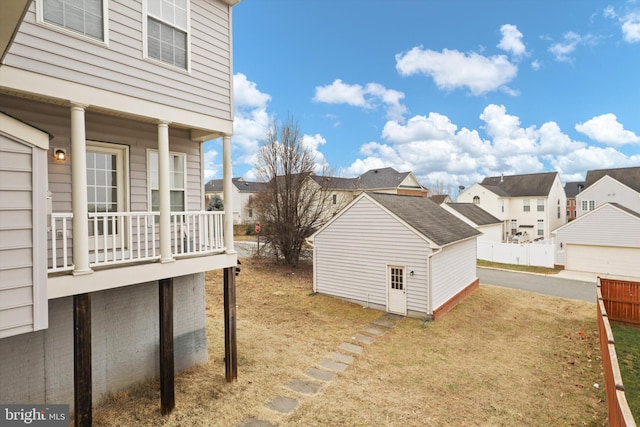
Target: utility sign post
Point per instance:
(258, 233)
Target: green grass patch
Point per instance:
(515, 267)
(628, 351)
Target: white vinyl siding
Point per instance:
(352, 255)
(606, 226)
(23, 294)
(121, 68)
(452, 270)
(606, 260)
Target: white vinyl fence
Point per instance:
(536, 253)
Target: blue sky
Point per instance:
(451, 90)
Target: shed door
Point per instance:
(396, 290)
(619, 261)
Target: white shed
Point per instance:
(402, 254)
(605, 241)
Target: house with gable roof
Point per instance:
(619, 185)
(398, 253)
(104, 242)
(572, 189)
(243, 192)
(529, 205)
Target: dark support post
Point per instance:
(230, 343)
(82, 397)
(167, 392)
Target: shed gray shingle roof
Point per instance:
(628, 176)
(429, 219)
(533, 184)
(475, 213)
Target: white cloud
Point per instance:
(313, 143)
(246, 93)
(631, 27)
(607, 130)
(577, 162)
(369, 96)
(535, 65)
(609, 12)
(562, 51)
(511, 41)
(211, 168)
(451, 69)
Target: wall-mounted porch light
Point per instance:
(59, 154)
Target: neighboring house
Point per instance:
(621, 185)
(572, 189)
(401, 254)
(103, 238)
(530, 205)
(243, 193)
(604, 241)
(478, 218)
(341, 191)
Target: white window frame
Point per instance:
(526, 205)
(540, 205)
(587, 205)
(150, 186)
(145, 39)
(541, 227)
(62, 29)
(514, 226)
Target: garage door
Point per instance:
(617, 261)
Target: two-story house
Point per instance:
(530, 205)
(243, 192)
(104, 109)
(619, 185)
(572, 189)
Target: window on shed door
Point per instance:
(86, 17)
(177, 180)
(397, 278)
(168, 31)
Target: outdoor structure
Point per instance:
(572, 189)
(603, 241)
(621, 185)
(478, 218)
(103, 237)
(530, 205)
(401, 254)
(242, 194)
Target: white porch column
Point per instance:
(227, 188)
(79, 191)
(164, 192)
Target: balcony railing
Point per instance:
(130, 237)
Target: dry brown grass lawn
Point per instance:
(501, 358)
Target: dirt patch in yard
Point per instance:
(501, 357)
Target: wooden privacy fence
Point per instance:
(621, 299)
(617, 406)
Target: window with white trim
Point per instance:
(86, 17)
(540, 205)
(168, 31)
(526, 207)
(588, 205)
(177, 181)
(514, 226)
(476, 200)
(541, 227)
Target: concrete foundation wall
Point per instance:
(38, 367)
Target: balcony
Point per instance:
(134, 238)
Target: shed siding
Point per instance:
(452, 270)
(352, 256)
(120, 66)
(606, 227)
(16, 238)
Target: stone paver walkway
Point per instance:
(327, 369)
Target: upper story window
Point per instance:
(540, 205)
(526, 207)
(86, 17)
(177, 180)
(476, 200)
(168, 31)
(588, 205)
(334, 199)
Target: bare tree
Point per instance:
(292, 206)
